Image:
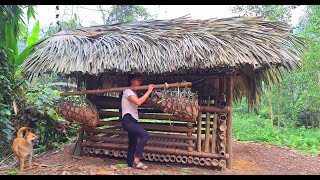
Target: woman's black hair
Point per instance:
(133, 76)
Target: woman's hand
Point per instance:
(150, 87)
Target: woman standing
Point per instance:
(129, 105)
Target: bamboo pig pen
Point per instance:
(204, 142)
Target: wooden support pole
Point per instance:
(77, 149)
(117, 89)
(199, 134)
(207, 130)
(229, 98)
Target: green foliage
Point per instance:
(41, 100)
(299, 90)
(185, 170)
(13, 171)
(33, 38)
(53, 28)
(126, 14)
(121, 166)
(11, 42)
(6, 88)
(248, 127)
(272, 12)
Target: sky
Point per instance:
(90, 16)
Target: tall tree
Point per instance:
(12, 23)
(271, 12)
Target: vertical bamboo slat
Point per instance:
(214, 133)
(229, 98)
(207, 131)
(199, 132)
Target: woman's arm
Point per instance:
(142, 99)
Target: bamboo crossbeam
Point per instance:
(122, 132)
(180, 124)
(108, 114)
(115, 103)
(124, 140)
(150, 126)
(171, 151)
(117, 89)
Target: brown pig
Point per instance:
(83, 115)
(179, 107)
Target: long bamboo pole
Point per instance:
(137, 88)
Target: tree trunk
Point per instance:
(270, 105)
(312, 119)
(279, 91)
(306, 119)
(103, 14)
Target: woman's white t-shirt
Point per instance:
(127, 106)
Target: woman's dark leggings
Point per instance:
(135, 148)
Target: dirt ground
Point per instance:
(249, 159)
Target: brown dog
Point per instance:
(22, 146)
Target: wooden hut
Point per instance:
(224, 59)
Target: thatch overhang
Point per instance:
(252, 47)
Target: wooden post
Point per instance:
(77, 149)
(207, 130)
(199, 134)
(229, 98)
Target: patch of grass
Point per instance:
(162, 172)
(120, 166)
(248, 127)
(13, 172)
(185, 170)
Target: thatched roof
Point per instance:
(247, 45)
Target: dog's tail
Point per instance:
(21, 130)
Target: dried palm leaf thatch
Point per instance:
(159, 46)
(252, 46)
